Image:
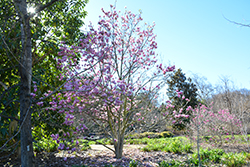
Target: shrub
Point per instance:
(166, 134)
(234, 159)
(149, 135)
(45, 144)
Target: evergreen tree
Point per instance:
(179, 83)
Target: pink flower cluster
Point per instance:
(103, 72)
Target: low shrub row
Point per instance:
(152, 135)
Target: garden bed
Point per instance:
(143, 152)
(100, 156)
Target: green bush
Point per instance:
(45, 144)
(234, 159)
(166, 134)
(151, 135)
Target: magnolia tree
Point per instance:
(174, 114)
(121, 59)
(203, 121)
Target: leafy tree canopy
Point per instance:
(60, 21)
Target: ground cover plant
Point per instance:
(177, 146)
(207, 156)
(174, 145)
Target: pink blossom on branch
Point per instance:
(106, 71)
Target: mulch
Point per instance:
(106, 157)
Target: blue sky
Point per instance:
(194, 35)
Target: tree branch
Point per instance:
(9, 117)
(4, 86)
(245, 25)
(6, 90)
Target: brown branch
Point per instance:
(18, 130)
(9, 117)
(245, 25)
(105, 146)
(41, 58)
(8, 90)
(16, 145)
(4, 86)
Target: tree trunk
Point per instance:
(198, 146)
(119, 146)
(27, 155)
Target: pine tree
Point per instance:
(178, 81)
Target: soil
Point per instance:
(98, 155)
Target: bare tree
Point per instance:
(205, 89)
(235, 101)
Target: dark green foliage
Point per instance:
(178, 81)
(45, 144)
(60, 21)
(133, 163)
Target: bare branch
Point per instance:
(9, 117)
(237, 23)
(4, 86)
